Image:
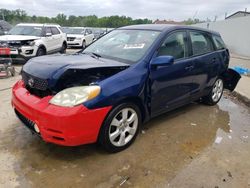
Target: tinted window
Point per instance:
(55, 31)
(219, 43)
(201, 43)
(174, 45)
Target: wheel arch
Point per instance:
(134, 100)
(43, 47)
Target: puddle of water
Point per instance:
(168, 144)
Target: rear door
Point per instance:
(171, 85)
(206, 63)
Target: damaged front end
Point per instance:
(70, 78)
(42, 78)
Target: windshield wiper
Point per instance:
(93, 53)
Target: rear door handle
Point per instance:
(189, 67)
(214, 60)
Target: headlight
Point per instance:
(30, 43)
(75, 95)
(77, 38)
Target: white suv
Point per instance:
(78, 36)
(30, 40)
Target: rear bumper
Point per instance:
(60, 125)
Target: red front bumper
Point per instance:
(69, 126)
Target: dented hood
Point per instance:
(53, 66)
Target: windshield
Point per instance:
(26, 30)
(77, 31)
(126, 45)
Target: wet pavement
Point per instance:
(194, 146)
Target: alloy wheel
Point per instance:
(123, 127)
(217, 90)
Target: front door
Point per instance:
(171, 85)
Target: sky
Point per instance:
(177, 10)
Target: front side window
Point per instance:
(124, 45)
(201, 43)
(55, 31)
(174, 45)
(26, 30)
(48, 30)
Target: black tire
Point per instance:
(83, 44)
(63, 48)
(104, 135)
(210, 99)
(41, 51)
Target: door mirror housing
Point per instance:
(48, 34)
(162, 61)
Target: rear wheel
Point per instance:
(215, 94)
(63, 49)
(120, 127)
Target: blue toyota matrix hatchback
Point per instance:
(105, 92)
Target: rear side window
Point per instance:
(174, 45)
(201, 43)
(55, 31)
(219, 44)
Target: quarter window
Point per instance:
(219, 43)
(174, 45)
(201, 43)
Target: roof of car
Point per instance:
(75, 27)
(164, 27)
(39, 24)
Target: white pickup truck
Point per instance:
(78, 36)
(30, 40)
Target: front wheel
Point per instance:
(120, 127)
(40, 52)
(215, 94)
(84, 44)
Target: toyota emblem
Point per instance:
(31, 82)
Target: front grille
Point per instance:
(14, 44)
(27, 122)
(34, 82)
(36, 86)
(71, 38)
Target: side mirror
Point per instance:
(162, 61)
(48, 34)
